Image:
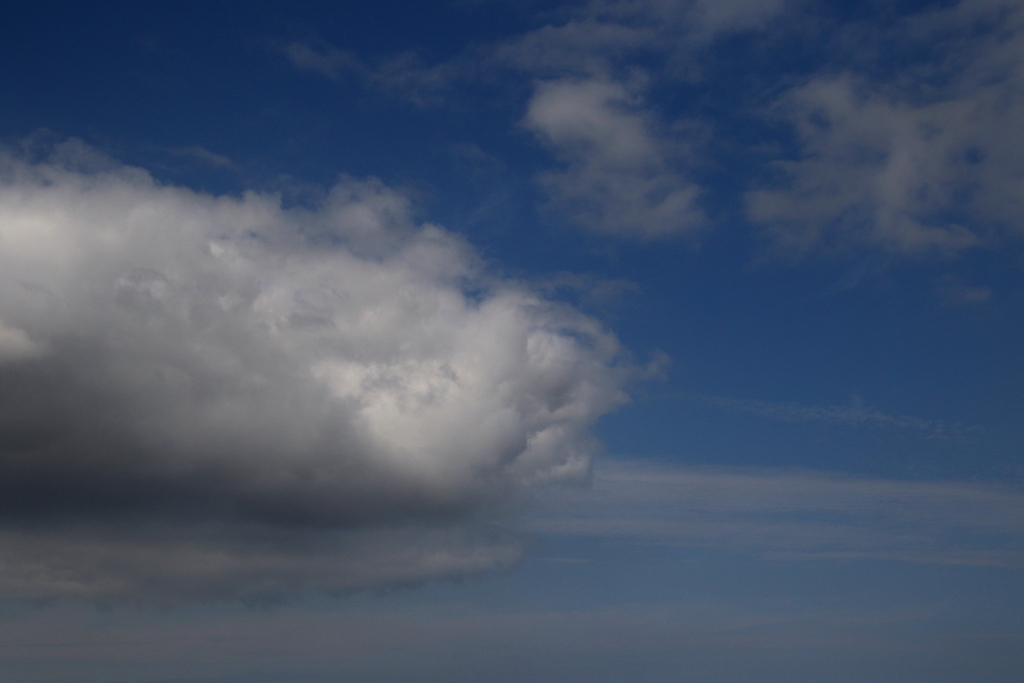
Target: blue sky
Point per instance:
(485, 340)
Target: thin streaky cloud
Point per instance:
(837, 414)
(792, 515)
(200, 153)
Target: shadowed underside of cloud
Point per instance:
(793, 515)
(183, 377)
(167, 562)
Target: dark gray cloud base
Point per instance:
(201, 391)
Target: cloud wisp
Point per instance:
(851, 414)
(793, 515)
(217, 396)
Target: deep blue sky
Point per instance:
(836, 290)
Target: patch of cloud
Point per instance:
(617, 177)
(793, 515)
(201, 392)
(927, 161)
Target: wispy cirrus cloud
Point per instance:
(855, 413)
(793, 514)
(404, 75)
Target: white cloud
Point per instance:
(928, 161)
(221, 362)
(794, 515)
(618, 176)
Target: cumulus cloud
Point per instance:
(928, 160)
(203, 391)
(617, 177)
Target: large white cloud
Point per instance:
(218, 369)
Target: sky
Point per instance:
(480, 340)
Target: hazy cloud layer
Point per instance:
(216, 369)
(795, 515)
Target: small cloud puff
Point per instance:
(618, 176)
